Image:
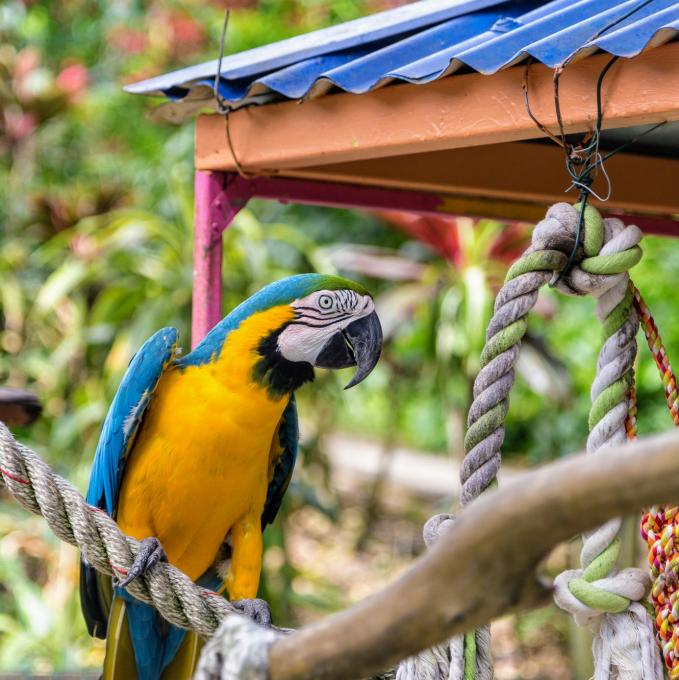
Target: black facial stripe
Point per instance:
(279, 375)
(319, 313)
(318, 310)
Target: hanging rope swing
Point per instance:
(239, 647)
(578, 253)
(605, 252)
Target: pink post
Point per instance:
(218, 199)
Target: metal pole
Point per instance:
(218, 199)
(207, 257)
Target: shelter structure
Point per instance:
(436, 107)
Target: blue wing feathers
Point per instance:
(288, 433)
(117, 434)
(156, 643)
(125, 415)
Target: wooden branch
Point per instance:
(486, 565)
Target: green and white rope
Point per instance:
(595, 594)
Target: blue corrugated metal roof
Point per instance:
(421, 42)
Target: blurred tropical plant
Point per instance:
(439, 318)
(38, 630)
(95, 254)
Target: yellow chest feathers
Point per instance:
(222, 397)
(203, 452)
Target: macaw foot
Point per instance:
(255, 609)
(149, 554)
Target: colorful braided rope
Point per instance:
(660, 355)
(660, 525)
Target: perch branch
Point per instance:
(486, 565)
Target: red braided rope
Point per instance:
(660, 525)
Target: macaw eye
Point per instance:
(325, 302)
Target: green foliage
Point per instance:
(95, 248)
(95, 254)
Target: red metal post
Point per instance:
(313, 192)
(217, 202)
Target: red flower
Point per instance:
(19, 124)
(186, 31)
(72, 80)
(129, 40)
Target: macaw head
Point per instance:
(325, 322)
(334, 326)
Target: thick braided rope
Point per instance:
(445, 660)
(608, 251)
(660, 525)
(33, 484)
(600, 268)
(237, 647)
(606, 254)
(598, 595)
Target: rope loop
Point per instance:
(37, 488)
(579, 253)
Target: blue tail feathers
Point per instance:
(155, 641)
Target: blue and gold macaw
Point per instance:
(198, 450)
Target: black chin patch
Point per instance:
(279, 375)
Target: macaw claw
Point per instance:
(150, 553)
(255, 609)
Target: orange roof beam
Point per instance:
(513, 180)
(462, 111)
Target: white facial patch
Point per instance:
(318, 317)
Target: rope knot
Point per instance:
(435, 526)
(239, 650)
(600, 255)
(598, 588)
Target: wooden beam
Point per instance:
(514, 180)
(485, 565)
(454, 112)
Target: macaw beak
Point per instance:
(359, 344)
